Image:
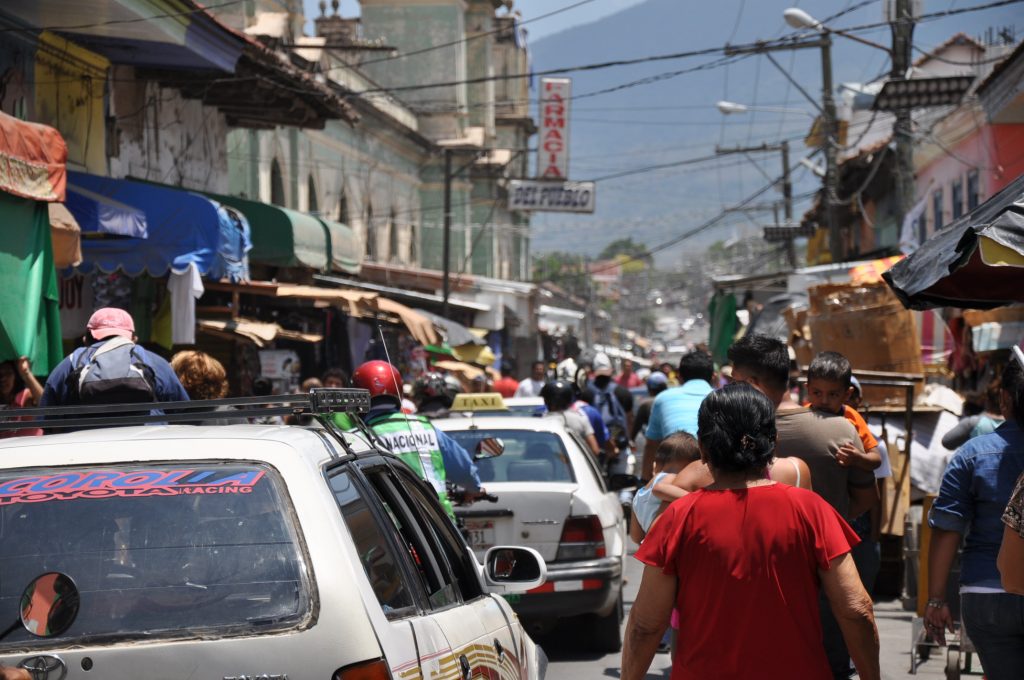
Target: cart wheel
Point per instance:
(953, 663)
(924, 651)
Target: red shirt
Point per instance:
(20, 400)
(506, 387)
(747, 565)
(629, 381)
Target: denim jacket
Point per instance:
(975, 489)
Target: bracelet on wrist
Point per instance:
(936, 603)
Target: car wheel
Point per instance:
(607, 631)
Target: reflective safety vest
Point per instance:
(414, 440)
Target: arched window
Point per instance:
(313, 203)
(369, 230)
(412, 244)
(276, 184)
(393, 236)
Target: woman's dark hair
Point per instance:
(1013, 383)
(19, 383)
(736, 426)
(680, 447)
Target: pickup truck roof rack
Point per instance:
(318, 402)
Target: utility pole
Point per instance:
(787, 187)
(902, 44)
(447, 248)
(827, 110)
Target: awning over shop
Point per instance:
(66, 236)
(455, 333)
(356, 303)
(32, 159)
(287, 238)
(100, 214)
(257, 332)
(182, 229)
(411, 296)
(481, 355)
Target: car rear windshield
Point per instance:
(155, 550)
(529, 456)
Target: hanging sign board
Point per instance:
(553, 152)
(547, 196)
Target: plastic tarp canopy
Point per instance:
(183, 228)
(345, 253)
(455, 333)
(100, 214)
(283, 237)
(977, 262)
(32, 160)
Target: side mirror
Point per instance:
(49, 604)
(621, 481)
(489, 447)
(509, 569)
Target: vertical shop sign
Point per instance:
(553, 154)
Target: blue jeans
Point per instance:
(867, 554)
(832, 639)
(995, 624)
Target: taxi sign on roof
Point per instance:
(483, 401)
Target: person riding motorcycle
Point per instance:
(434, 395)
(432, 454)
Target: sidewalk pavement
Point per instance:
(894, 628)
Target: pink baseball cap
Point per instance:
(110, 321)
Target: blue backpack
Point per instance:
(111, 372)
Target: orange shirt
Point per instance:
(861, 425)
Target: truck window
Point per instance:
(156, 550)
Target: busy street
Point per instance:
(511, 339)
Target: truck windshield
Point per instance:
(155, 550)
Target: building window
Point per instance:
(343, 207)
(369, 230)
(276, 184)
(973, 190)
(393, 236)
(313, 203)
(956, 196)
(922, 228)
(937, 210)
(412, 244)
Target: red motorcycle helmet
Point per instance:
(380, 378)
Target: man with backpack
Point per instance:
(111, 368)
(615, 404)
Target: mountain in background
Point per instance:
(675, 118)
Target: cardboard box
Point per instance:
(868, 325)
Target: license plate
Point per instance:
(481, 533)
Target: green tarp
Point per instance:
(288, 238)
(29, 297)
(722, 312)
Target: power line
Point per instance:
(118, 22)
(424, 50)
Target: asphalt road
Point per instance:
(566, 648)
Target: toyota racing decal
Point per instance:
(126, 483)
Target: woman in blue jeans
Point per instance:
(975, 489)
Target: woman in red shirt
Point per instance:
(19, 389)
(743, 560)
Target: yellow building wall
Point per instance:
(69, 89)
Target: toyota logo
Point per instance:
(45, 667)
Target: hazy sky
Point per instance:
(595, 9)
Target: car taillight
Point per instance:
(368, 670)
(582, 538)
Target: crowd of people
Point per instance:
(757, 515)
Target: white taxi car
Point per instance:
(249, 551)
(551, 497)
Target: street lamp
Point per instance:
(797, 18)
(728, 108)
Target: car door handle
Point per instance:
(466, 668)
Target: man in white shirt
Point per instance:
(531, 387)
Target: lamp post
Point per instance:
(728, 108)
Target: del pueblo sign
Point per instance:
(551, 196)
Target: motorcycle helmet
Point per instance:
(432, 386)
(558, 395)
(380, 378)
